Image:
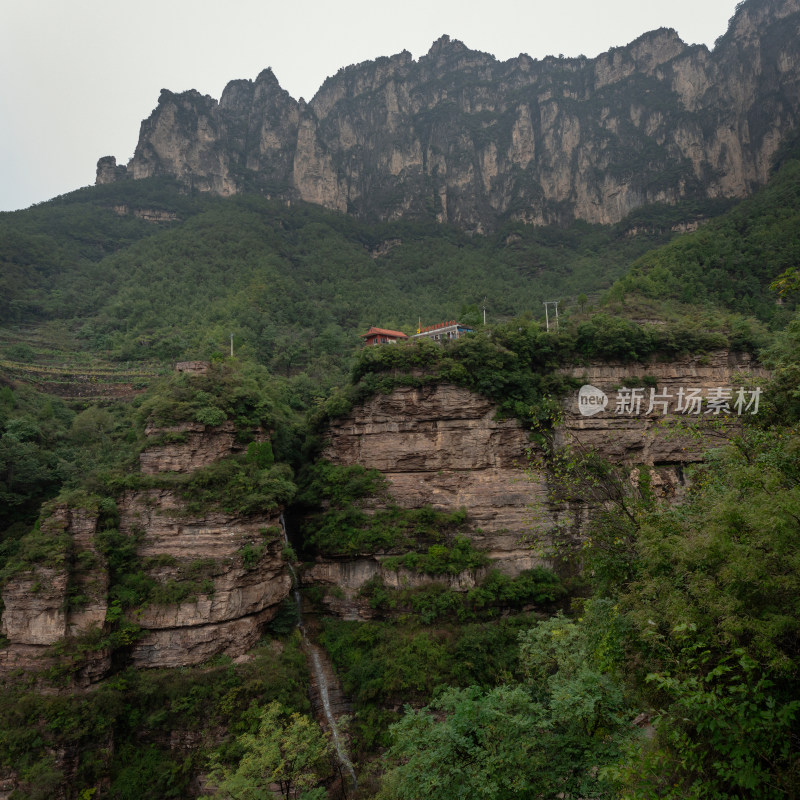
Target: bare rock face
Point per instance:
(219, 578)
(199, 447)
(35, 612)
(442, 446)
(232, 602)
(60, 597)
(652, 439)
(345, 577)
(461, 137)
(108, 171)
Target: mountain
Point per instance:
(731, 261)
(460, 137)
(146, 272)
(425, 510)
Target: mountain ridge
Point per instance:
(460, 137)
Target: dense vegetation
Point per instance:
(693, 621)
(295, 285)
(731, 261)
(669, 669)
(139, 712)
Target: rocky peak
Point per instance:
(108, 171)
(236, 94)
(750, 17)
(656, 47)
(267, 76)
(470, 140)
(445, 46)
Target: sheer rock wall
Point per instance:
(442, 446)
(466, 139)
(224, 610)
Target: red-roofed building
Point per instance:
(382, 336)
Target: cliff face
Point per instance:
(226, 613)
(621, 434)
(217, 578)
(41, 604)
(197, 446)
(441, 446)
(469, 140)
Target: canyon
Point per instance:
(437, 445)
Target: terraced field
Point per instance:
(52, 359)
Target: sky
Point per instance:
(77, 77)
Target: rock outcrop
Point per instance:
(624, 433)
(230, 600)
(466, 139)
(443, 446)
(188, 446)
(217, 578)
(61, 596)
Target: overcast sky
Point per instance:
(78, 76)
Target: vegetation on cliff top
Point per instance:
(295, 285)
(517, 364)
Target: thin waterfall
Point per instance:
(319, 673)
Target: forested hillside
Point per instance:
(292, 283)
(732, 261)
(656, 656)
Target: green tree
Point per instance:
(289, 750)
(543, 737)
(93, 424)
(715, 606)
(723, 731)
(619, 498)
(573, 667)
(485, 746)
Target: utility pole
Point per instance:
(231, 345)
(547, 316)
(484, 312)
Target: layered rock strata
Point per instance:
(193, 446)
(625, 432)
(443, 446)
(61, 596)
(225, 572)
(229, 616)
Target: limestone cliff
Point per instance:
(57, 598)
(217, 577)
(442, 446)
(462, 137)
